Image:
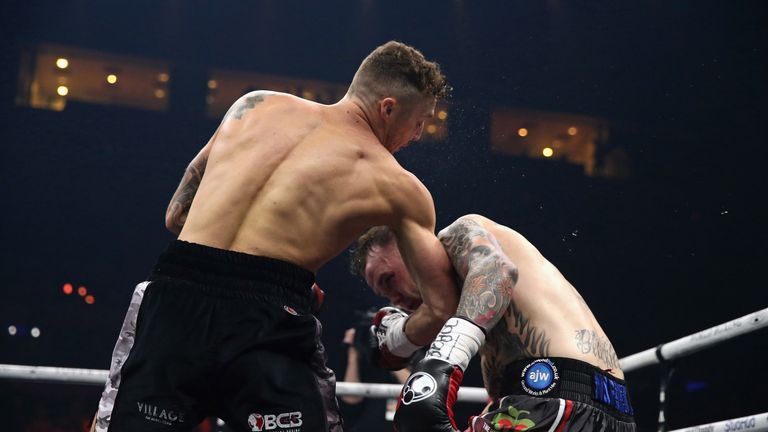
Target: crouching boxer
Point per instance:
(546, 362)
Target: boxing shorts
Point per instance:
(558, 394)
(220, 333)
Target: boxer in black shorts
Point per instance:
(283, 186)
(546, 362)
(220, 333)
(559, 393)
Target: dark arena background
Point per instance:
(626, 140)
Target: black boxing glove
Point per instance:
(389, 347)
(427, 399)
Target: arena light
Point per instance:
(67, 288)
(82, 291)
(212, 84)
(12, 330)
(572, 131)
(431, 129)
(547, 152)
(35, 332)
(62, 63)
(523, 132)
(163, 77)
(442, 115)
(159, 93)
(62, 90)
(112, 79)
(90, 299)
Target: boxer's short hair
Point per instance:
(395, 69)
(376, 236)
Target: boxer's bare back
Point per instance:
(296, 180)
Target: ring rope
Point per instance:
(753, 423)
(668, 351)
(696, 342)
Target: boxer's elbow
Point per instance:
(172, 223)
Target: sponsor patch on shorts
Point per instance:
(290, 310)
(539, 377)
(285, 422)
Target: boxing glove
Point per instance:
(427, 399)
(389, 347)
(317, 296)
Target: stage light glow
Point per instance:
(163, 77)
(547, 152)
(442, 115)
(112, 79)
(35, 332)
(62, 90)
(62, 63)
(212, 84)
(89, 299)
(523, 132)
(82, 291)
(572, 131)
(12, 330)
(431, 129)
(67, 288)
(159, 93)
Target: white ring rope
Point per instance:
(697, 341)
(753, 423)
(670, 350)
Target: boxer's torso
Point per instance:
(547, 316)
(292, 179)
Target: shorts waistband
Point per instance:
(230, 269)
(570, 379)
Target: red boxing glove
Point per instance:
(317, 297)
(389, 346)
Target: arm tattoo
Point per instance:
(487, 273)
(243, 105)
(182, 199)
(587, 341)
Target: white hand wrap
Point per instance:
(457, 342)
(394, 337)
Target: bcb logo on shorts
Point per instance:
(267, 422)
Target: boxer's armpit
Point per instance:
(176, 214)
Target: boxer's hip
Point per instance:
(558, 393)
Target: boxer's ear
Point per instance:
(387, 107)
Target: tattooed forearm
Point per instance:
(176, 215)
(588, 342)
(243, 105)
(487, 273)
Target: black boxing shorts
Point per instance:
(225, 334)
(555, 395)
